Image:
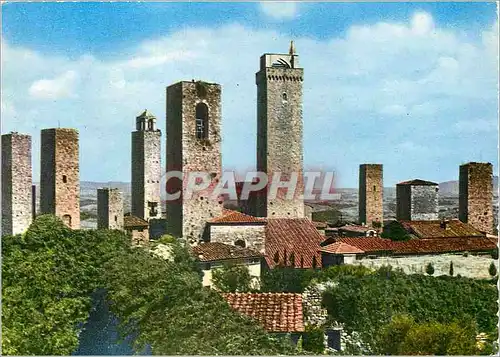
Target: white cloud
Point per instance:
(57, 88)
(282, 10)
(379, 88)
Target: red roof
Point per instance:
(134, 222)
(207, 252)
(295, 239)
(435, 229)
(368, 245)
(230, 216)
(276, 312)
(341, 248)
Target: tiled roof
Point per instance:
(276, 312)
(134, 221)
(418, 182)
(433, 229)
(298, 238)
(421, 246)
(356, 228)
(230, 216)
(341, 248)
(207, 252)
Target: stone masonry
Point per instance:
(16, 183)
(253, 235)
(60, 175)
(193, 145)
(109, 209)
(476, 195)
(279, 131)
(417, 200)
(371, 190)
(146, 168)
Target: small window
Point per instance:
(284, 96)
(65, 179)
(140, 229)
(201, 121)
(116, 218)
(240, 243)
(374, 188)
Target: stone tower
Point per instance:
(60, 175)
(109, 208)
(193, 145)
(16, 183)
(279, 131)
(476, 195)
(146, 168)
(417, 200)
(371, 194)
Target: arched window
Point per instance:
(201, 121)
(240, 243)
(151, 124)
(67, 220)
(284, 97)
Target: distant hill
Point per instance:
(451, 187)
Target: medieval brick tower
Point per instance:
(279, 131)
(476, 195)
(109, 208)
(146, 168)
(193, 145)
(60, 175)
(16, 183)
(371, 194)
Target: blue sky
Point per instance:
(409, 85)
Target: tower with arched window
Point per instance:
(146, 167)
(193, 145)
(279, 131)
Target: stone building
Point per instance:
(109, 208)
(371, 191)
(417, 200)
(279, 131)
(138, 229)
(60, 175)
(16, 183)
(193, 145)
(146, 167)
(476, 195)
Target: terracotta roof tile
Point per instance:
(276, 312)
(341, 248)
(207, 252)
(433, 229)
(230, 216)
(297, 238)
(368, 245)
(134, 221)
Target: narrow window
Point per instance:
(374, 188)
(152, 208)
(201, 121)
(65, 179)
(151, 124)
(284, 97)
(116, 218)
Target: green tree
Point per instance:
(492, 269)
(429, 268)
(451, 269)
(314, 339)
(395, 231)
(232, 278)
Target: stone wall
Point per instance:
(424, 203)
(187, 153)
(16, 183)
(109, 208)
(253, 235)
(476, 195)
(371, 188)
(140, 236)
(60, 175)
(279, 134)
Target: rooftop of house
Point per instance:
(453, 228)
(341, 248)
(418, 182)
(293, 242)
(356, 228)
(130, 221)
(209, 252)
(230, 216)
(276, 312)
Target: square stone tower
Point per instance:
(193, 145)
(371, 194)
(109, 209)
(60, 175)
(475, 203)
(146, 168)
(417, 200)
(279, 131)
(16, 183)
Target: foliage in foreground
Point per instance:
(232, 278)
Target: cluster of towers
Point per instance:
(418, 199)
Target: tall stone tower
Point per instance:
(279, 131)
(476, 195)
(60, 175)
(371, 194)
(417, 200)
(16, 183)
(193, 145)
(109, 208)
(146, 168)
